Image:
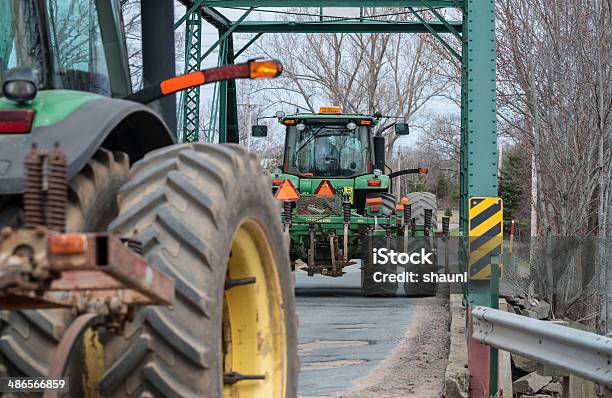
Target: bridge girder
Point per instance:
(343, 27)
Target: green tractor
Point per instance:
(336, 195)
(198, 217)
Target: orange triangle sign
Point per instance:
(287, 192)
(325, 189)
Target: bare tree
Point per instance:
(554, 64)
(393, 74)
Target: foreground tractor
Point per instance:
(129, 264)
(336, 197)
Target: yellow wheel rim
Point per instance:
(254, 335)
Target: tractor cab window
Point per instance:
(77, 58)
(329, 151)
(79, 62)
(20, 44)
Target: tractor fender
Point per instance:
(106, 122)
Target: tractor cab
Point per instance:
(64, 44)
(328, 144)
(332, 152)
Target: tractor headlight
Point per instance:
(377, 172)
(351, 125)
(300, 126)
(21, 85)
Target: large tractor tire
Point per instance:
(421, 201)
(421, 288)
(370, 287)
(205, 216)
(28, 337)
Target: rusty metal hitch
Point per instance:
(90, 273)
(96, 275)
(101, 277)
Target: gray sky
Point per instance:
(210, 35)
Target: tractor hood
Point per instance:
(81, 122)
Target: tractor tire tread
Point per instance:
(174, 205)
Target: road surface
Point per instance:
(344, 336)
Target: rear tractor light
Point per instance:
(374, 183)
(16, 121)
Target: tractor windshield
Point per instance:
(327, 150)
(70, 37)
(20, 43)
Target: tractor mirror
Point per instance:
(259, 131)
(402, 129)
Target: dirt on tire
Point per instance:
(421, 201)
(184, 204)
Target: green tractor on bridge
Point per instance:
(337, 200)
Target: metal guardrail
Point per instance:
(581, 353)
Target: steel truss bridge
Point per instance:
(475, 32)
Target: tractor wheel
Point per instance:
(421, 288)
(421, 201)
(369, 287)
(28, 337)
(205, 216)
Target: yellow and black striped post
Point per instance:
(485, 217)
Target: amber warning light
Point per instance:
(270, 68)
(330, 109)
(249, 70)
(68, 244)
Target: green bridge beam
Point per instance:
(479, 151)
(345, 27)
(479, 135)
(209, 14)
(330, 3)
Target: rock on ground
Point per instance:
(530, 384)
(554, 389)
(457, 375)
(536, 396)
(524, 364)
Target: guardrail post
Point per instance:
(482, 359)
(479, 359)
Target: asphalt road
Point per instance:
(343, 335)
